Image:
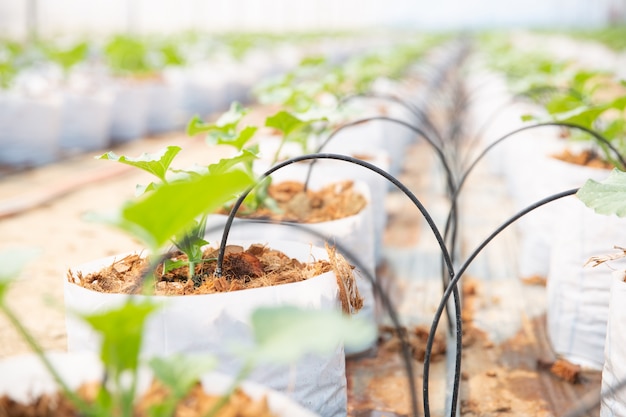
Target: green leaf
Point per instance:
(12, 261)
(606, 197)
(285, 334)
(224, 131)
(563, 103)
(180, 372)
(170, 265)
(155, 163)
(527, 117)
(284, 121)
(237, 140)
(227, 121)
(619, 103)
(583, 116)
(226, 164)
(121, 330)
(241, 139)
(171, 209)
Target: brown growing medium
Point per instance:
(257, 266)
(197, 403)
(588, 158)
(566, 371)
(389, 341)
(333, 202)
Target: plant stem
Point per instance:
(30, 340)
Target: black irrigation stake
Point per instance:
(446, 296)
(390, 178)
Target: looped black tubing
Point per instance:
(374, 168)
(464, 176)
(446, 296)
(378, 290)
(438, 151)
(420, 114)
(591, 132)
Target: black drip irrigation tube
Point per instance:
(437, 149)
(452, 215)
(378, 289)
(420, 114)
(453, 283)
(452, 288)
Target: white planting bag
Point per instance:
(85, 121)
(165, 106)
(29, 130)
(354, 233)
(24, 377)
(578, 297)
(614, 370)
(129, 117)
(218, 323)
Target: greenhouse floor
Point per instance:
(506, 355)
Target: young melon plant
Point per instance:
(173, 209)
(226, 131)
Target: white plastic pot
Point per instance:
(165, 107)
(326, 171)
(129, 117)
(29, 130)
(207, 90)
(24, 377)
(215, 323)
(85, 121)
(353, 232)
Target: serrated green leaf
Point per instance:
(156, 163)
(235, 139)
(141, 189)
(285, 334)
(121, 330)
(606, 197)
(232, 117)
(226, 164)
(284, 121)
(226, 123)
(196, 126)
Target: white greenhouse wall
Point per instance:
(164, 16)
